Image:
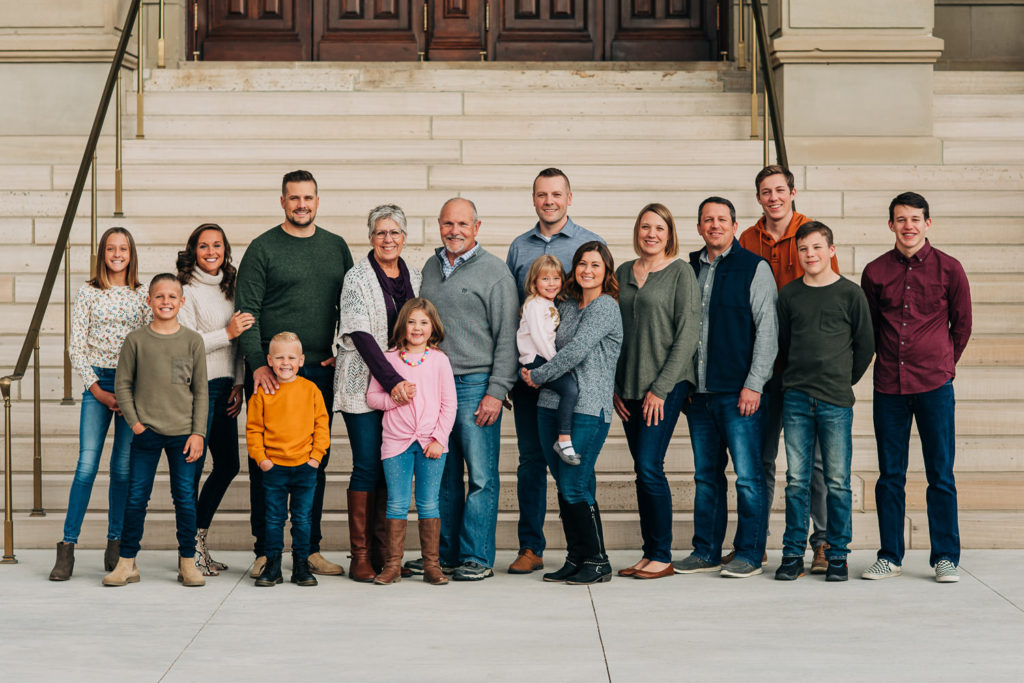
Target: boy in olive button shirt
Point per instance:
(826, 342)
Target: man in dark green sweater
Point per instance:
(290, 280)
(826, 342)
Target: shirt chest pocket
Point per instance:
(932, 299)
(181, 370)
(833, 322)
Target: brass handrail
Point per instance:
(32, 335)
(770, 93)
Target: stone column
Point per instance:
(855, 79)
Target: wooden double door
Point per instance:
(401, 30)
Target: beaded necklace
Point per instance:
(426, 352)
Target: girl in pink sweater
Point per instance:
(415, 434)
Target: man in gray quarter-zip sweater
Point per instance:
(476, 298)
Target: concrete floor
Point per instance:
(683, 628)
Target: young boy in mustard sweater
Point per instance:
(287, 433)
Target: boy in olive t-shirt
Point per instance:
(161, 390)
(826, 343)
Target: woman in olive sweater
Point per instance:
(661, 319)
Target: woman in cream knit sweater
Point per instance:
(208, 282)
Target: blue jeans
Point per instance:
(568, 393)
(576, 483)
(810, 422)
(222, 442)
(648, 445)
(716, 430)
(934, 412)
(364, 436)
(531, 474)
(469, 520)
(145, 457)
(323, 378)
(280, 482)
(771, 398)
(93, 422)
(399, 471)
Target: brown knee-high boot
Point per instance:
(360, 505)
(392, 572)
(376, 528)
(430, 539)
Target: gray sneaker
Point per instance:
(472, 571)
(881, 569)
(694, 565)
(416, 567)
(945, 572)
(739, 569)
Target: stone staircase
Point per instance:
(219, 137)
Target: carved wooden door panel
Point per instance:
(661, 30)
(269, 30)
(368, 30)
(457, 30)
(547, 30)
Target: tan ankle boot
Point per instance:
(318, 564)
(188, 572)
(124, 572)
(392, 572)
(257, 567)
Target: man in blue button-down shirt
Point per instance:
(556, 234)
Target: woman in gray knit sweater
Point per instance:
(588, 341)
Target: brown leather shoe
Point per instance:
(360, 569)
(527, 562)
(819, 565)
(628, 571)
(642, 574)
(318, 564)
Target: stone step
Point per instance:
(978, 82)
(442, 127)
(230, 531)
(976, 128)
(1010, 105)
(621, 531)
(974, 418)
(551, 77)
(975, 491)
(983, 152)
(974, 454)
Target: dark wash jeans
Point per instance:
(532, 472)
(222, 443)
(648, 445)
(717, 430)
(323, 378)
(279, 483)
(576, 483)
(365, 432)
(145, 456)
(934, 412)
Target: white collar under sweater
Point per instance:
(207, 311)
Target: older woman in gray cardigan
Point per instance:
(374, 291)
(588, 340)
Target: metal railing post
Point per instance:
(118, 208)
(771, 99)
(67, 399)
(139, 86)
(753, 93)
(37, 444)
(8, 558)
(93, 220)
(160, 64)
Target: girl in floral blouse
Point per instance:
(107, 308)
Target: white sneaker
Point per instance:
(945, 572)
(881, 569)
